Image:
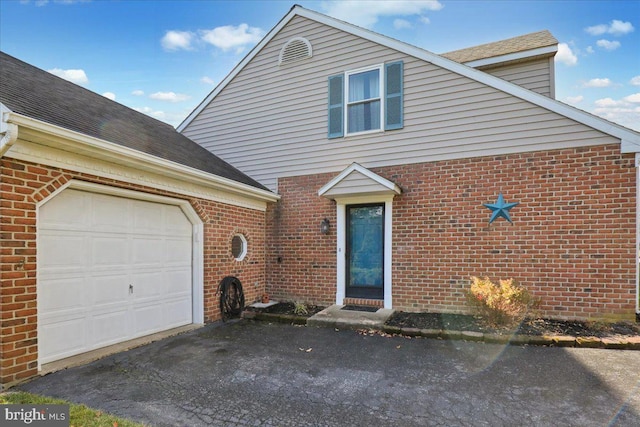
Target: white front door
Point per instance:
(109, 269)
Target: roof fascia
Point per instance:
(81, 143)
(624, 134)
(355, 167)
(516, 56)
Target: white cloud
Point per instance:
(625, 111)
(110, 95)
(425, 20)
(598, 83)
(608, 45)
(160, 115)
(574, 99)
(367, 13)
(207, 80)
(590, 49)
(75, 76)
(230, 37)
(175, 40)
(169, 96)
(635, 98)
(401, 24)
(635, 81)
(565, 55)
(615, 27)
(138, 92)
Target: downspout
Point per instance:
(9, 131)
(637, 237)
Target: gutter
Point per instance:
(9, 131)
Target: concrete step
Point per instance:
(335, 317)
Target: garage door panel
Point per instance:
(178, 282)
(110, 251)
(109, 215)
(63, 295)
(86, 265)
(108, 328)
(177, 251)
(65, 251)
(176, 224)
(177, 311)
(69, 209)
(146, 250)
(110, 289)
(61, 339)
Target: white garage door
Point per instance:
(109, 269)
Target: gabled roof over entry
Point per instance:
(32, 94)
(630, 140)
(358, 181)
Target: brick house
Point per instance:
(398, 151)
(348, 167)
(114, 225)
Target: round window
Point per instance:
(239, 247)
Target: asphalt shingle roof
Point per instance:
(503, 47)
(35, 93)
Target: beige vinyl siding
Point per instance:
(534, 75)
(356, 183)
(271, 121)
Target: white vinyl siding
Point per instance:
(271, 122)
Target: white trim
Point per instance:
(364, 171)
(341, 242)
(243, 252)
(77, 142)
(630, 139)
(197, 261)
(516, 56)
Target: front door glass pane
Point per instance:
(365, 250)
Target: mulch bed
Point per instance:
(529, 326)
(464, 322)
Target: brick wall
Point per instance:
(24, 184)
(572, 241)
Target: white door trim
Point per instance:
(197, 234)
(341, 241)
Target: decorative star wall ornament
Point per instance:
(500, 209)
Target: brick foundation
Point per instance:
(572, 241)
(24, 184)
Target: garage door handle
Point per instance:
(130, 289)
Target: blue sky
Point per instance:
(164, 57)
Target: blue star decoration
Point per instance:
(500, 209)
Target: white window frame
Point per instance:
(243, 252)
(346, 103)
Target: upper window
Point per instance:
(364, 108)
(373, 100)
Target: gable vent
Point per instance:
(296, 49)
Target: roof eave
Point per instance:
(69, 140)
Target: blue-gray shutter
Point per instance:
(336, 101)
(393, 96)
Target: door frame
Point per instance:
(197, 251)
(341, 241)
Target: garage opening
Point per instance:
(112, 267)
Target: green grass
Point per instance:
(80, 415)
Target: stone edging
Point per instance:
(612, 343)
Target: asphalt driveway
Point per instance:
(259, 374)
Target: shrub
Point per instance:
(501, 304)
(300, 308)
